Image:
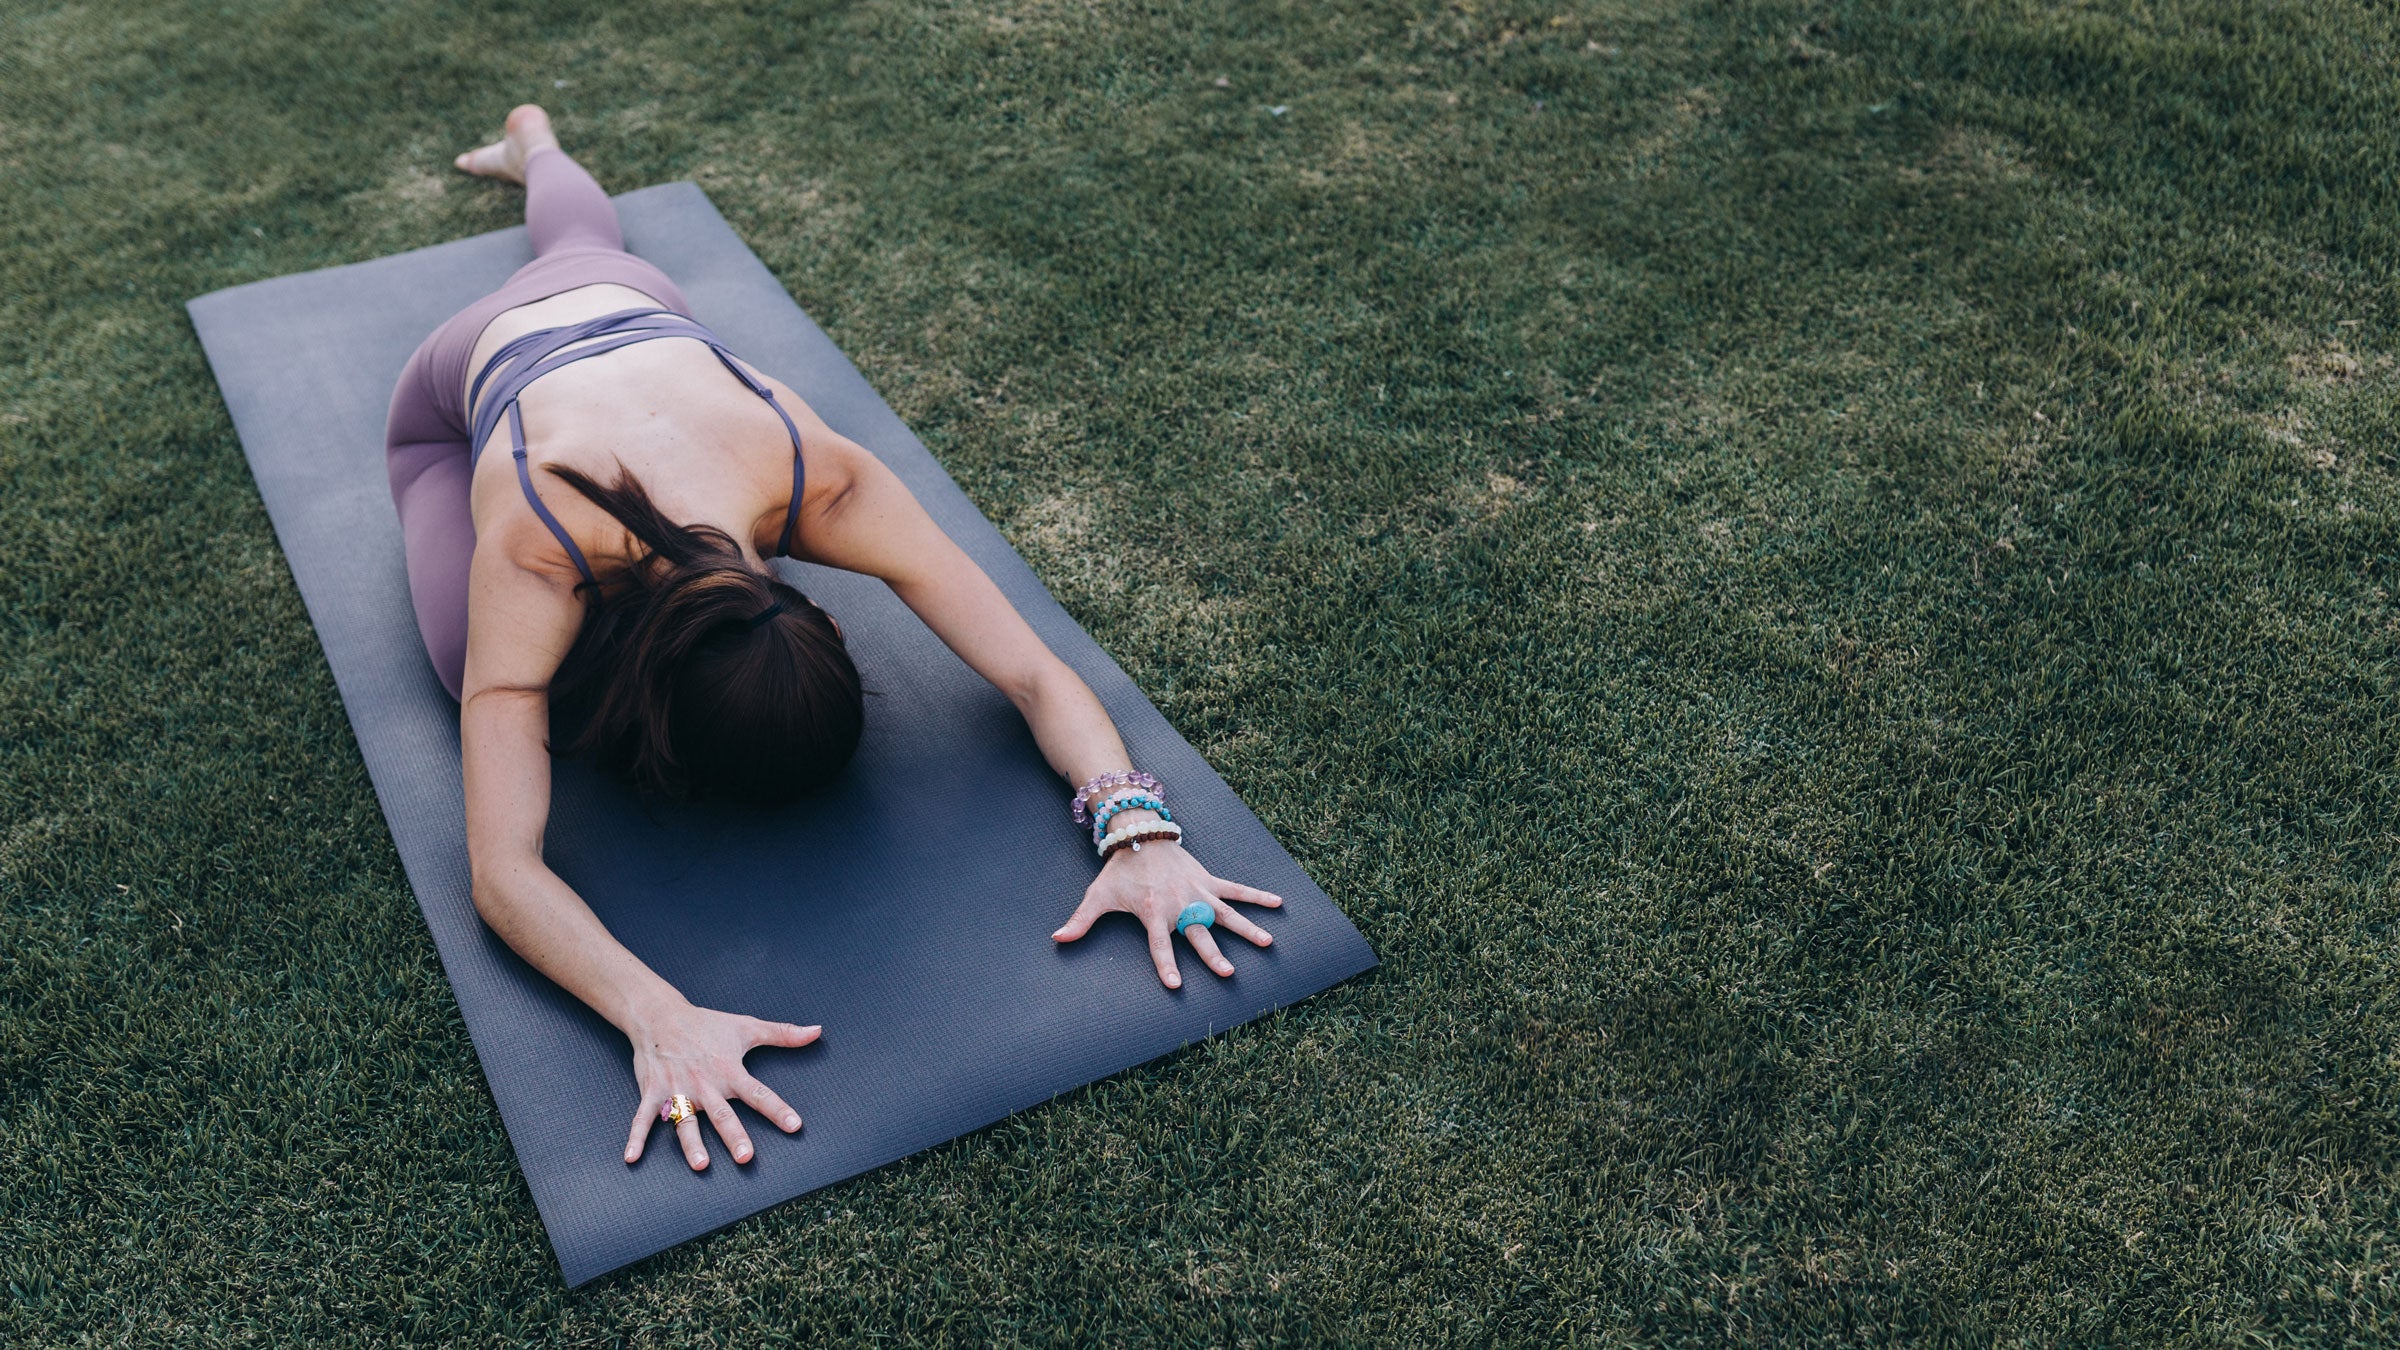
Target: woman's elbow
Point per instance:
(491, 885)
(484, 890)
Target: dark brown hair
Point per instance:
(676, 683)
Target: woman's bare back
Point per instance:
(667, 412)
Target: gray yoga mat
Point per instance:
(946, 1006)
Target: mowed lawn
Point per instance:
(1817, 578)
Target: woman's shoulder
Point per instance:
(510, 537)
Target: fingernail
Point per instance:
(743, 1156)
(812, 1028)
(791, 1122)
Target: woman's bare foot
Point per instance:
(528, 129)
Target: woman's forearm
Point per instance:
(1073, 730)
(542, 919)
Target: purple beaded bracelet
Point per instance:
(1124, 777)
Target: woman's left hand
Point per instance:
(1153, 886)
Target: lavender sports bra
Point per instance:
(529, 358)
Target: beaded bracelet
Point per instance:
(1116, 795)
(1139, 801)
(1135, 834)
(1128, 777)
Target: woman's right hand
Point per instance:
(698, 1052)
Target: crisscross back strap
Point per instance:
(528, 358)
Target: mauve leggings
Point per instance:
(425, 450)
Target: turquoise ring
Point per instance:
(1198, 912)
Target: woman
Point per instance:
(610, 572)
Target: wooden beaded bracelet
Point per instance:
(1134, 835)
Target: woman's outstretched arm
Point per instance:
(871, 523)
(521, 623)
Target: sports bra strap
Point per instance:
(516, 432)
(529, 357)
(791, 514)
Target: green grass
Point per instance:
(1816, 578)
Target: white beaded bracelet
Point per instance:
(1135, 833)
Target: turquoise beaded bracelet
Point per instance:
(1140, 801)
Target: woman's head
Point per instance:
(696, 673)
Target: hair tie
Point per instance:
(763, 615)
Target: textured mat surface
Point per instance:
(945, 1004)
